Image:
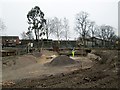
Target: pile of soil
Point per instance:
(93, 57)
(108, 56)
(25, 61)
(19, 61)
(61, 61)
(37, 54)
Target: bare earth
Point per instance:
(28, 66)
(30, 71)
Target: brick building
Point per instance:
(9, 40)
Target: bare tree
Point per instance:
(57, 28)
(82, 25)
(49, 27)
(23, 35)
(93, 30)
(66, 28)
(106, 33)
(2, 26)
(110, 35)
(109, 32)
(30, 35)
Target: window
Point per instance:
(14, 40)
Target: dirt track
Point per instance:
(103, 74)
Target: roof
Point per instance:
(9, 36)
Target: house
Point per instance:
(9, 40)
(93, 42)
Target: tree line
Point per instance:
(89, 29)
(85, 27)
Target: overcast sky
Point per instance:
(13, 12)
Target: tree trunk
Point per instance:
(42, 43)
(47, 37)
(84, 41)
(47, 34)
(92, 42)
(36, 37)
(92, 39)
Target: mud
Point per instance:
(101, 73)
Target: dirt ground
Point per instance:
(97, 70)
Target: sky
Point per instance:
(13, 13)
